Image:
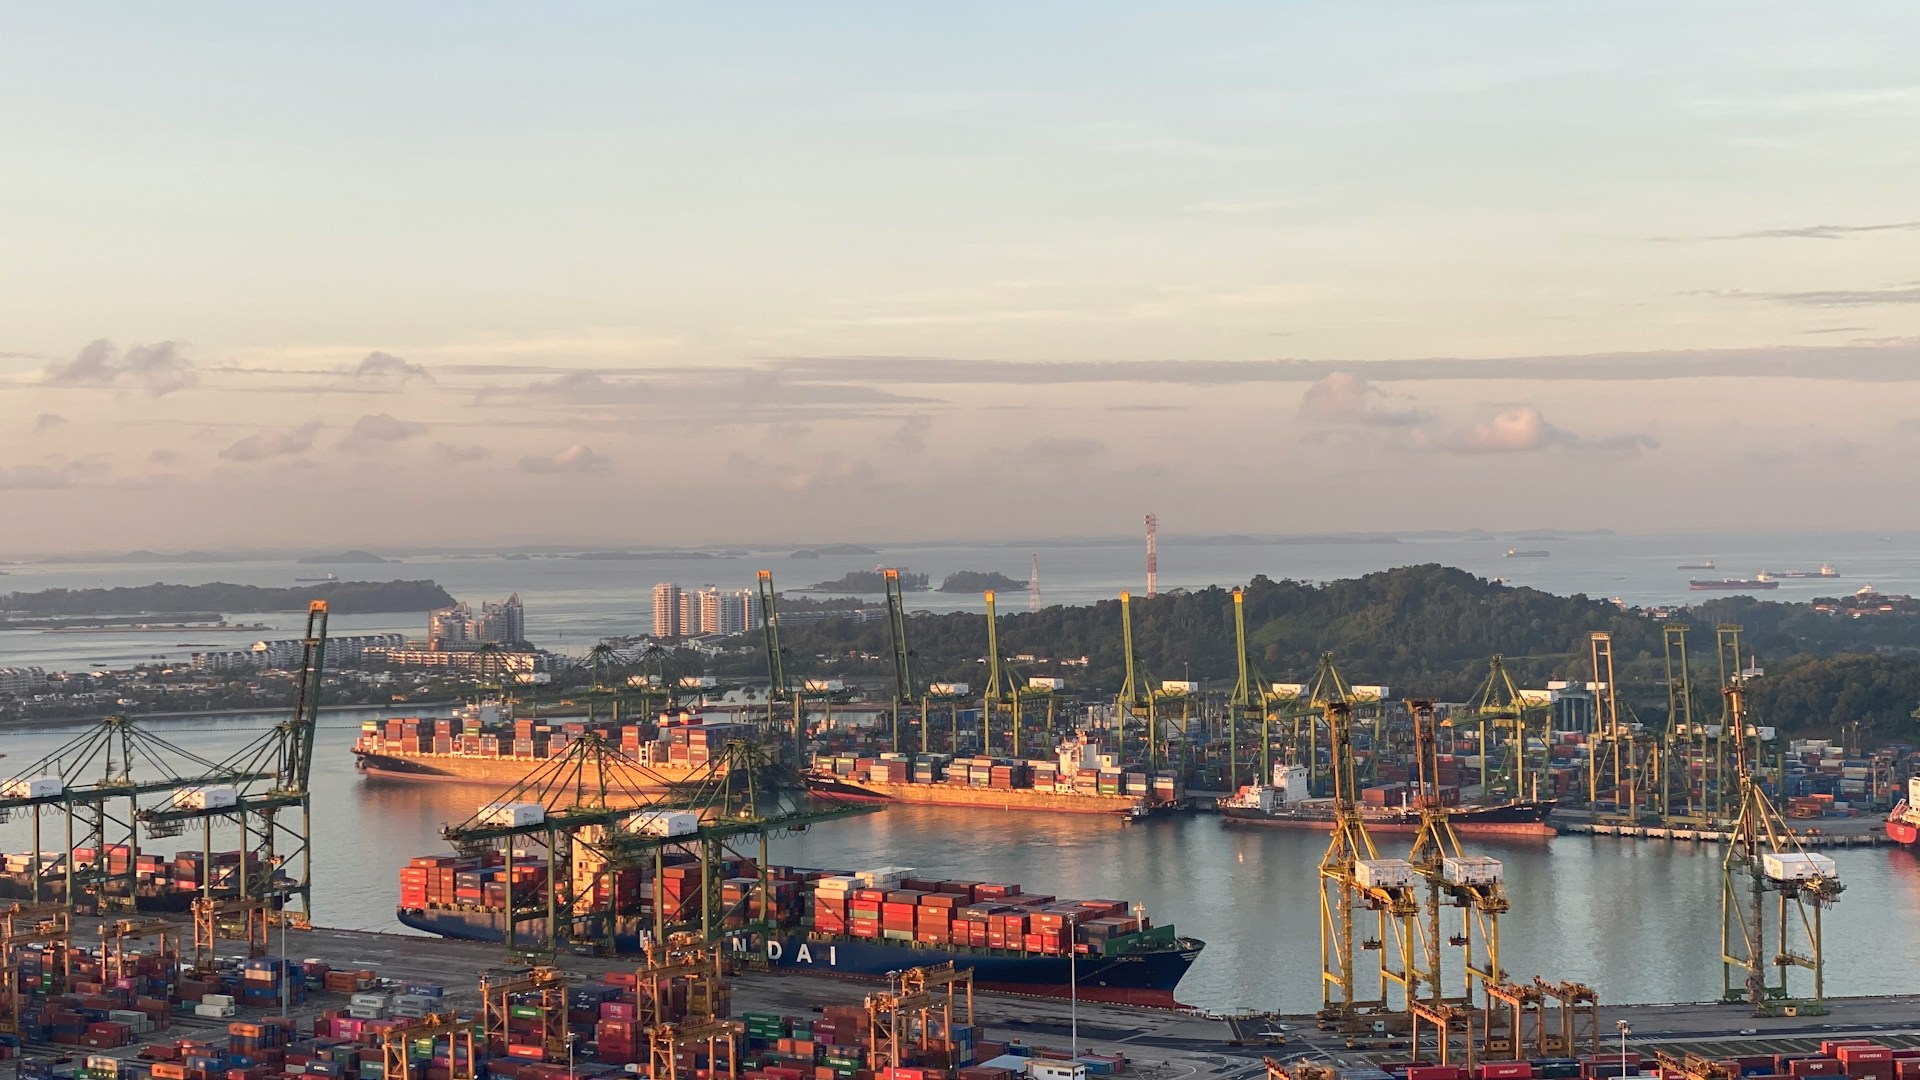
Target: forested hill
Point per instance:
(1426, 630)
(342, 597)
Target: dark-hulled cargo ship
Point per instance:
(860, 926)
(1281, 805)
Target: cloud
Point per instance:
(271, 444)
(1345, 398)
(1803, 232)
(38, 477)
(47, 421)
(911, 439)
(385, 369)
(451, 454)
(725, 395)
(1897, 361)
(1521, 430)
(573, 459)
(164, 456)
(1052, 449)
(1902, 294)
(371, 431)
(159, 369)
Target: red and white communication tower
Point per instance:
(1153, 556)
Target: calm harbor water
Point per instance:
(1637, 920)
(571, 603)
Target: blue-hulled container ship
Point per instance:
(858, 925)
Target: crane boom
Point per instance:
(778, 688)
(296, 765)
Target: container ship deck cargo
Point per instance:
(485, 748)
(1079, 780)
(1283, 804)
(853, 925)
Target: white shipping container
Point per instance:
(1179, 686)
(1368, 693)
(1047, 682)
(219, 1012)
(510, 814)
(1471, 870)
(1383, 873)
(665, 823)
(211, 797)
(1287, 691)
(698, 682)
(372, 1001)
(825, 686)
(1913, 791)
(38, 787)
(950, 689)
(1795, 867)
(216, 999)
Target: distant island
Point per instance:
(619, 556)
(151, 557)
(872, 581)
(976, 581)
(342, 597)
(832, 549)
(356, 557)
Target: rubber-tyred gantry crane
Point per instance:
(923, 1001)
(1355, 880)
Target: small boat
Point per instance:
(309, 580)
(1530, 553)
(1708, 565)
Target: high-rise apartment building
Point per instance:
(667, 602)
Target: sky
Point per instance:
(297, 276)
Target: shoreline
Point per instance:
(194, 714)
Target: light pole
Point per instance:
(1073, 983)
(1624, 1032)
(893, 1025)
(572, 1037)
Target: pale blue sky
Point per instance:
(600, 232)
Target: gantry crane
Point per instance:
(1307, 712)
(903, 688)
(1501, 706)
(1136, 693)
(1354, 879)
(1763, 857)
(681, 962)
(501, 991)
(31, 926)
(1693, 752)
(1001, 697)
(780, 688)
(1572, 1023)
(1249, 705)
(1727, 791)
(115, 934)
(697, 968)
(918, 1002)
(1471, 883)
(593, 797)
(1614, 754)
(396, 1041)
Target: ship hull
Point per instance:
(1900, 829)
(1510, 819)
(976, 798)
(1147, 978)
(506, 771)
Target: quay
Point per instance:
(1161, 1044)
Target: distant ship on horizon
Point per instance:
(1707, 565)
(1527, 553)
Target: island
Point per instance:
(342, 597)
(872, 581)
(356, 557)
(976, 581)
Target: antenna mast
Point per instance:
(1153, 557)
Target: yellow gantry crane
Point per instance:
(917, 1002)
(1354, 881)
(498, 994)
(394, 1043)
(25, 926)
(1455, 879)
(1764, 857)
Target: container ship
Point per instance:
(1758, 581)
(1284, 804)
(852, 925)
(483, 747)
(1079, 779)
(1903, 821)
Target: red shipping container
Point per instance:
(1506, 1070)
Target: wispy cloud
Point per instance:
(574, 459)
(47, 421)
(159, 369)
(1803, 232)
(39, 477)
(1832, 298)
(385, 369)
(453, 454)
(380, 429)
(1521, 430)
(271, 444)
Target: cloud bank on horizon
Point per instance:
(693, 278)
